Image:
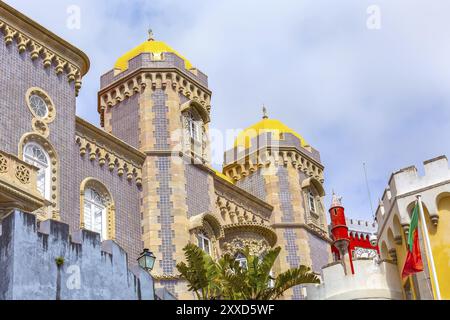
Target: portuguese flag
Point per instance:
(413, 263)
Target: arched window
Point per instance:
(95, 212)
(242, 260)
(204, 242)
(194, 125)
(312, 201)
(35, 155)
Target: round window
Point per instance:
(39, 106)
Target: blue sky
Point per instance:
(355, 94)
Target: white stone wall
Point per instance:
(91, 270)
(400, 196)
(372, 280)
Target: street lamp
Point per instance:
(147, 260)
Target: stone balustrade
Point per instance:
(18, 185)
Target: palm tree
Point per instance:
(227, 279)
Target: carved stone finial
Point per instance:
(265, 116)
(336, 201)
(151, 36)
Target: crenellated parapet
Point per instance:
(75, 266)
(361, 229)
(109, 151)
(274, 157)
(41, 44)
(151, 77)
(399, 198)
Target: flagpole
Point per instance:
(428, 248)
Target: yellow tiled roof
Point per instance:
(266, 125)
(150, 46)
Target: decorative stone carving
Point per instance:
(44, 98)
(265, 158)
(18, 184)
(3, 164)
(40, 127)
(37, 50)
(176, 81)
(23, 174)
(230, 211)
(103, 149)
(257, 248)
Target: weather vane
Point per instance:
(265, 116)
(150, 35)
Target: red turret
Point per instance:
(339, 229)
(353, 239)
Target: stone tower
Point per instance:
(275, 163)
(156, 101)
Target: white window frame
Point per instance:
(45, 104)
(242, 260)
(202, 239)
(312, 202)
(45, 168)
(95, 206)
(194, 127)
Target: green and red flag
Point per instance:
(413, 263)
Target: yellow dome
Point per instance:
(266, 125)
(149, 46)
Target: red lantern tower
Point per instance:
(339, 229)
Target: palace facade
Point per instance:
(145, 178)
(394, 217)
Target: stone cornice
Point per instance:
(242, 192)
(279, 156)
(166, 277)
(153, 78)
(315, 230)
(107, 148)
(278, 148)
(139, 71)
(42, 43)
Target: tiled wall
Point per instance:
(18, 74)
(161, 122)
(285, 195)
(254, 184)
(165, 218)
(125, 121)
(126, 199)
(197, 190)
(321, 252)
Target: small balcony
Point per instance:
(18, 185)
